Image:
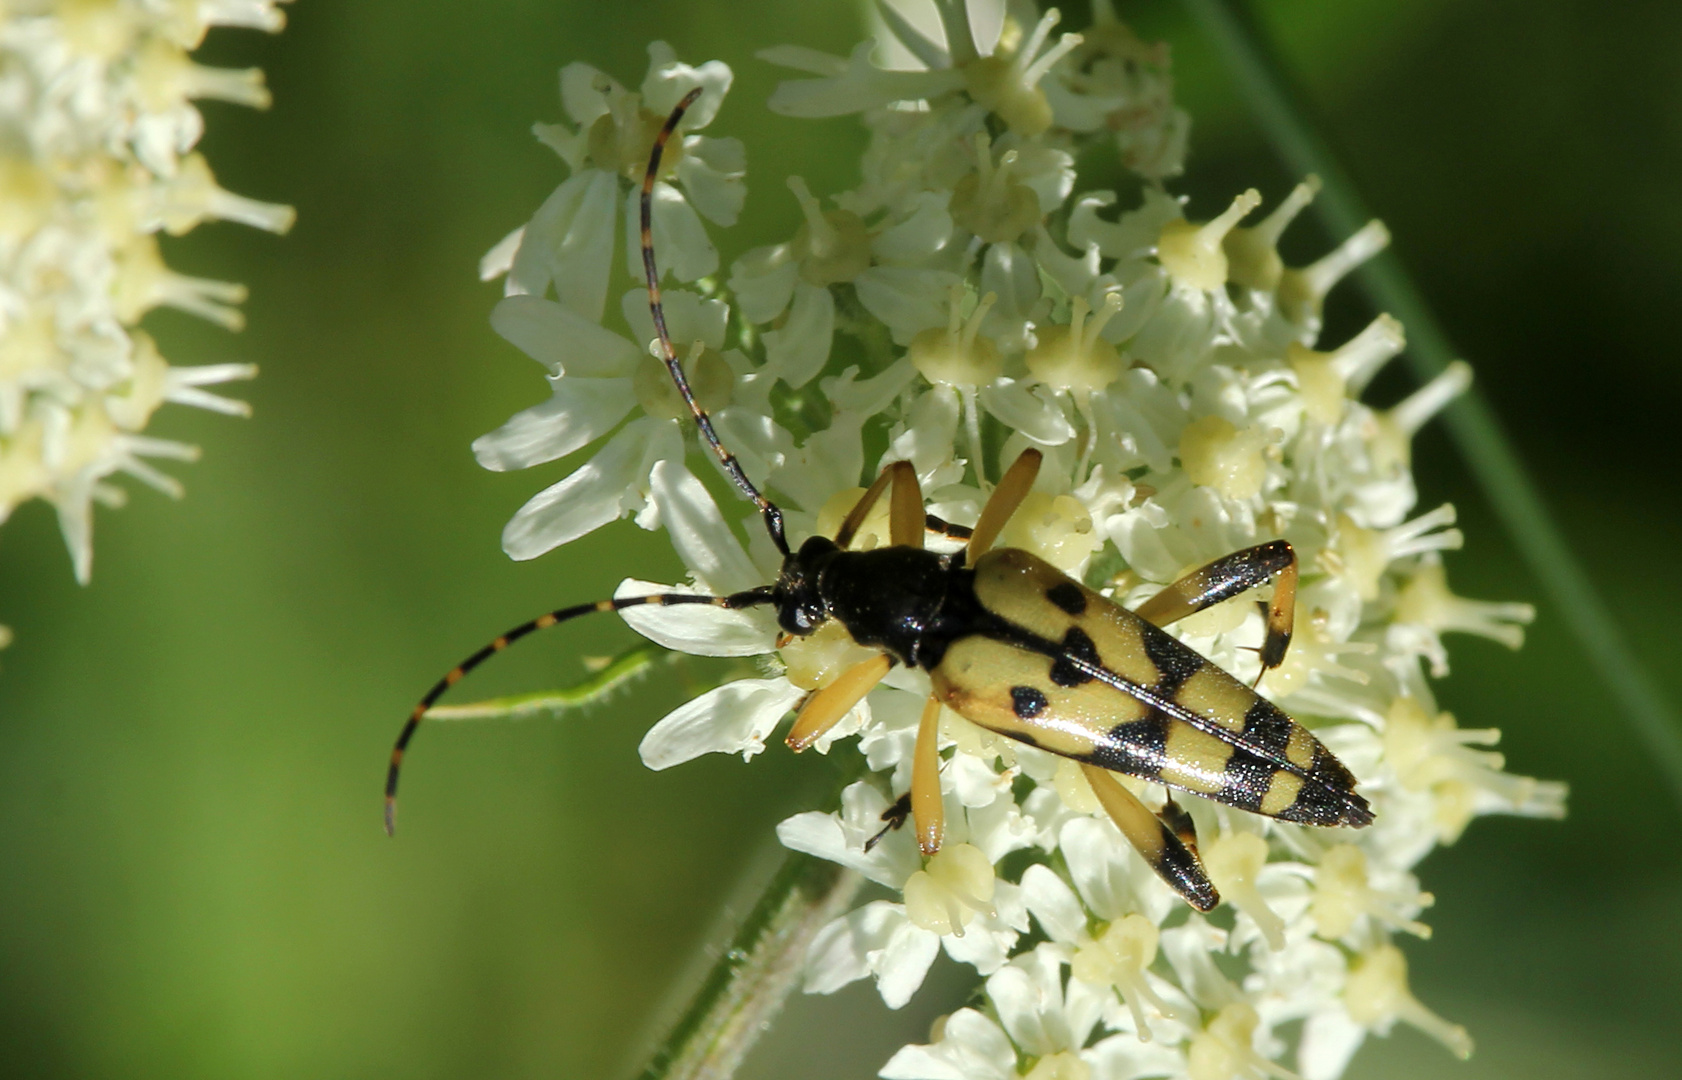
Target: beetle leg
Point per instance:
(1156, 840)
(1013, 487)
(926, 807)
(905, 508)
(825, 708)
(861, 509)
(942, 527)
(895, 816)
(1227, 577)
(1174, 816)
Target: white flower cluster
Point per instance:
(958, 306)
(97, 127)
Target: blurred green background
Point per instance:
(191, 750)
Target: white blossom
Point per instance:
(568, 246)
(98, 125)
(1171, 373)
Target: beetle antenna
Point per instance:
(768, 510)
(750, 598)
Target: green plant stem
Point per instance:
(618, 672)
(754, 975)
(1490, 456)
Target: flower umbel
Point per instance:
(1169, 373)
(96, 158)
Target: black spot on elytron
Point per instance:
(1175, 663)
(1328, 770)
(1137, 748)
(1267, 728)
(1335, 788)
(1356, 813)
(1076, 647)
(1247, 779)
(1027, 701)
(1317, 804)
(1067, 596)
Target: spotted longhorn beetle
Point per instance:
(1014, 645)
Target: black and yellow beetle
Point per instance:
(1016, 646)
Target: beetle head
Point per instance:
(801, 608)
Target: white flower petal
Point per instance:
(585, 91)
(1142, 540)
(974, 781)
(927, 441)
(562, 340)
(867, 397)
(668, 80)
(763, 281)
(580, 412)
(734, 718)
(831, 461)
(1135, 438)
(840, 837)
(1180, 333)
(756, 440)
(1329, 1039)
(569, 243)
(498, 259)
(888, 742)
(604, 489)
(971, 1047)
(1027, 994)
(1134, 236)
(1075, 273)
(1054, 904)
(908, 301)
(1084, 1005)
(711, 173)
(1139, 302)
(572, 147)
(1023, 410)
(698, 532)
(861, 85)
(800, 58)
(697, 629)
(1012, 275)
(1099, 866)
(905, 962)
(920, 236)
(842, 952)
(1191, 948)
(1048, 172)
(998, 828)
(984, 947)
(681, 244)
(799, 350)
(689, 318)
(1124, 1057)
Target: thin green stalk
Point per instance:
(1471, 423)
(619, 672)
(754, 975)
